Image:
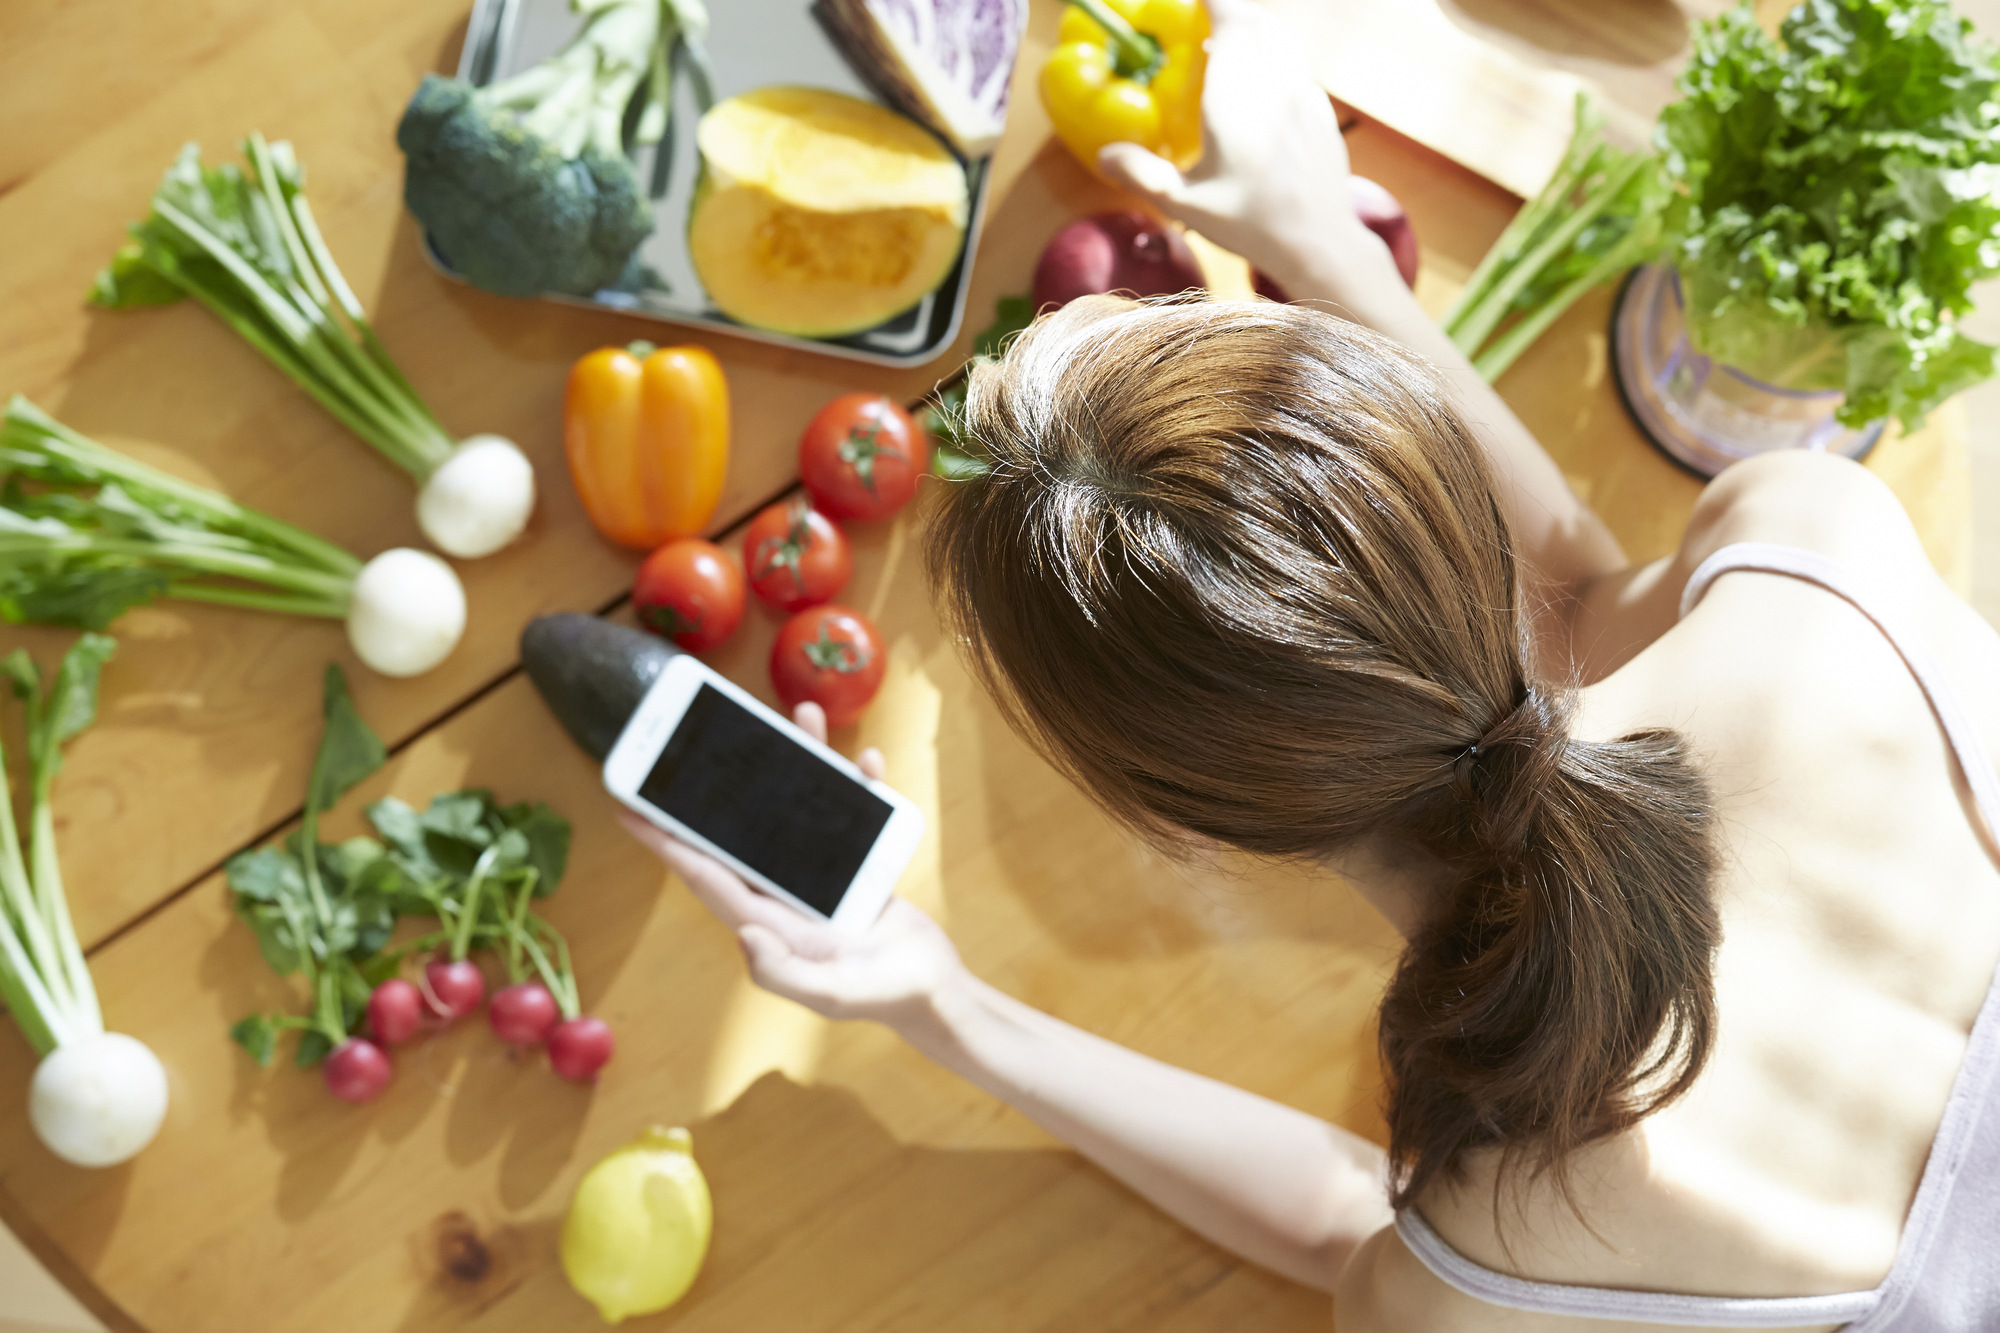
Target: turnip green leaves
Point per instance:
(100, 533)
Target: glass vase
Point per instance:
(1702, 413)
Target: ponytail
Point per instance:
(1563, 990)
(1238, 570)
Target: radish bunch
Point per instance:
(473, 864)
(523, 1014)
(531, 1010)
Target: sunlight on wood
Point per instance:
(760, 1033)
(904, 727)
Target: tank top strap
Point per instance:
(1639, 1307)
(1877, 603)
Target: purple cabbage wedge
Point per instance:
(946, 63)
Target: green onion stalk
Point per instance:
(1601, 212)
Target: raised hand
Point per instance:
(1272, 181)
(887, 973)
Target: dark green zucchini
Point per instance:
(592, 673)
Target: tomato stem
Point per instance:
(831, 654)
(861, 446)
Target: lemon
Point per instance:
(638, 1227)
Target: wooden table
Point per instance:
(856, 1186)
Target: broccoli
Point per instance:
(524, 185)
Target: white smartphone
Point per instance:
(707, 762)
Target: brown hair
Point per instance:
(1238, 571)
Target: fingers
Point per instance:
(810, 718)
(719, 888)
(778, 968)
(1142, 172)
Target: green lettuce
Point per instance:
(1838, 193)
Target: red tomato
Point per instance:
(691, 592)
(861, 457)
(797, 556)
(832, 656)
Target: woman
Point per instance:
(1700, 905)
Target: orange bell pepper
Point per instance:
(646, 431)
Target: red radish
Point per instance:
(523, 1013)
(456, 988)
(394, 1010)
(580, 1047)
(357, 1070)
(1114, 252)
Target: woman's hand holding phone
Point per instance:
(888, 973)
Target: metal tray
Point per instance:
(751, 44)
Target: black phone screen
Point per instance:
(766, 800)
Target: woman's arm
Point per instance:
(1282, 1188)
(1272, 186)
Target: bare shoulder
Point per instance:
(1846, 513)
(1817, 502)
(1386, 1289)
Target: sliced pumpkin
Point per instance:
(819, 214)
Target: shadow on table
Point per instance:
(824, 1221)
(70, 1265)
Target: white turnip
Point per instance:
(98, 1100)
(276, 283)
(406, 612)
(97, 1097)
(479, 499)
(404, 609)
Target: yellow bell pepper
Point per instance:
(1128, 71)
